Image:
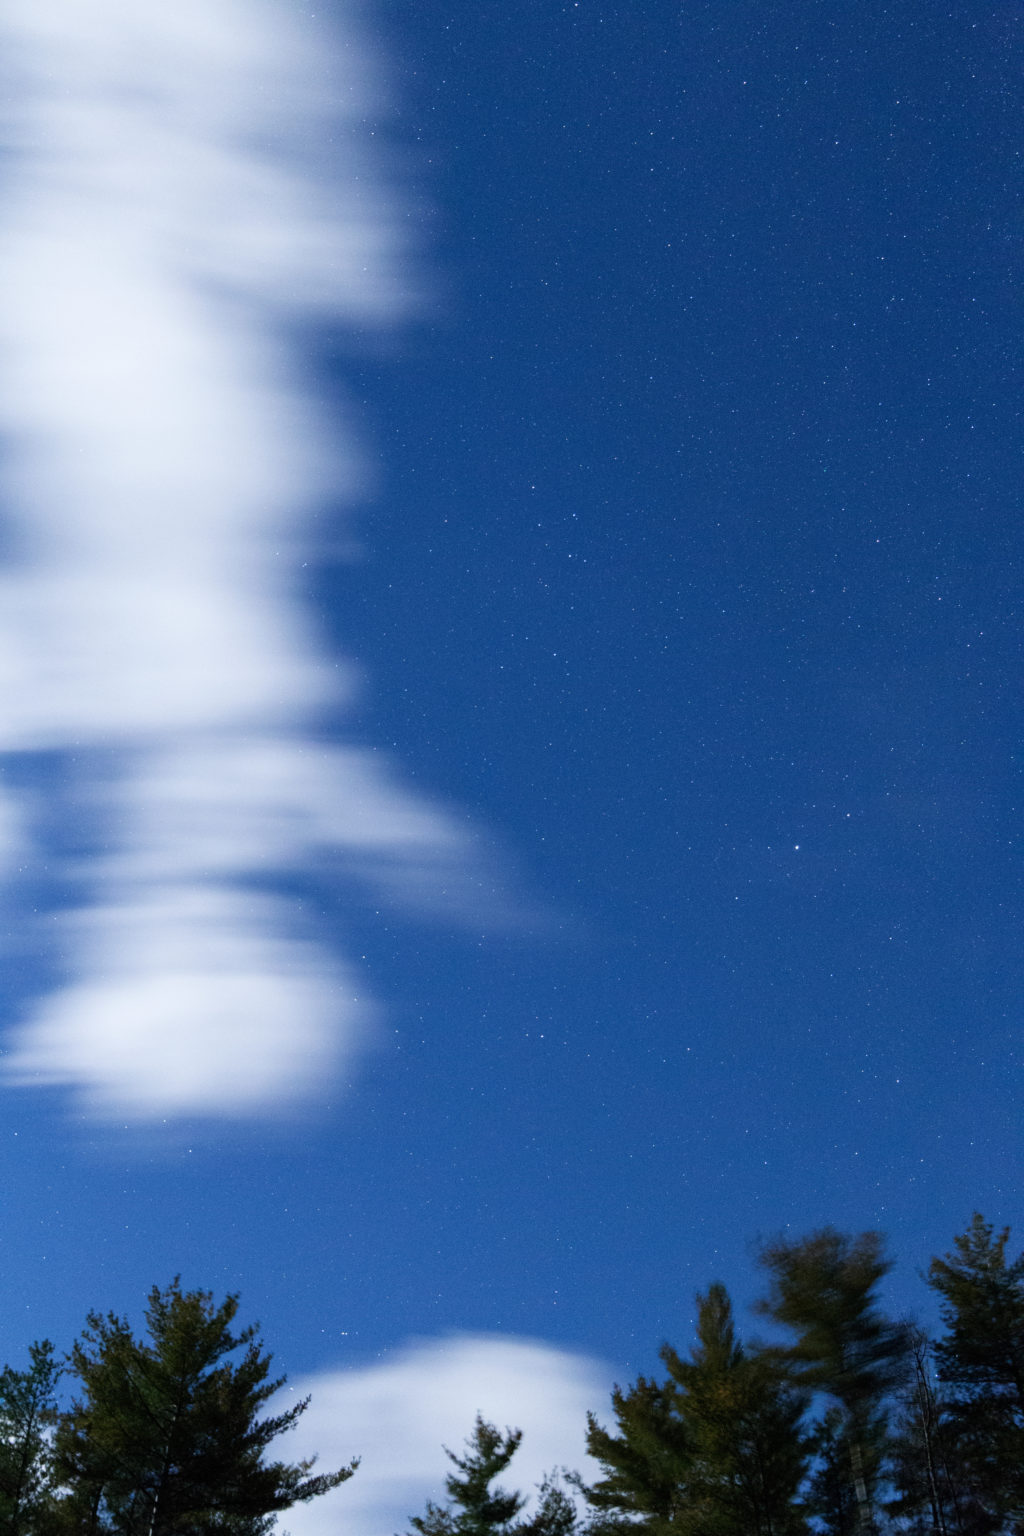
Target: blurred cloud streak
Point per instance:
(181, 185)
(399, 1414)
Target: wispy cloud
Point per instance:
(181, 185)
(397, 1415)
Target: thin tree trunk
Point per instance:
(865, 1514)
(926, 1399)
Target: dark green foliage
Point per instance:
(474, 1507)
(715, 1451)
(646, 1465)
(823, 1289)
(983, 1309)
(166, 1438)
(744, 1423)
(981, 1362)
(556, 1511)
(28, 1412)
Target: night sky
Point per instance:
(658, 518)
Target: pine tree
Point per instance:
(981, 1360)
(166, 1437)
(646, 1466)
(28, 1412)
(475, 1508)
(823, 1289)
(743, 1419)
(716, 1450)
(556, 1513)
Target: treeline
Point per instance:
(857, 1424)
(164, 1436)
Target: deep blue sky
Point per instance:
(691, 576)
(697, 576)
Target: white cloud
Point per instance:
(180, 183)
(188, 1003)
(236, 804)
(397, 1415)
